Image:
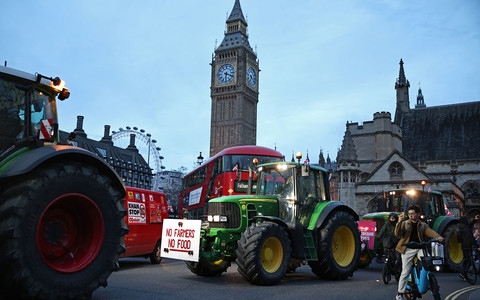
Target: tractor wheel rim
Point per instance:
(343, 246)
(271, 255)
(455, 250)
(70, 233)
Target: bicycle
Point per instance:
(421, 278)
(391, 267)
(472, 269)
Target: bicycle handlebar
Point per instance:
(421, 245)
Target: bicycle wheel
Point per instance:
(434, 287)
(386, 273)
(470, 272)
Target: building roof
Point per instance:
(448, 132)
(112, 154)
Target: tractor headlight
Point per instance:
(216, 218)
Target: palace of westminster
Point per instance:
(437, 144)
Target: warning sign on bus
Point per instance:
(136, 212)
(181, 239)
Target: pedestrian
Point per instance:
(409, 230)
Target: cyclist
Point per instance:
(412, 229)
(468, 240)
(387, 235)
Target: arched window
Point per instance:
(396, 170)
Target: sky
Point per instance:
(323, 64)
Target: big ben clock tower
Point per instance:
(234, 87)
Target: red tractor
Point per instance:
(61, 207)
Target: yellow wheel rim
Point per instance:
(271, 254)
(217, 262)
(455, 250)
(343, 246)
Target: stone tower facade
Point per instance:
(234, 87)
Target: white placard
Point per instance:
(181, 239)
(195, 196)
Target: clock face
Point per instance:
(226, 73)
(251, 77)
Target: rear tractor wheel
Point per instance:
(61, 232)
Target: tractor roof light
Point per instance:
(55, 83)
(281, 167)
(298, 155)
(411, 192)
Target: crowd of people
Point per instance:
(398, 231)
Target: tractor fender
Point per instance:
(37, 157)
(442, 222)
(328, 208)
(273, 220)
(295, 233)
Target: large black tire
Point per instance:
(452, 249)
(208, 268)
(263, 253)
(434, 287)
(156, 255)
(61, 232)
(338, 247)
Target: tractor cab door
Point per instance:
(311, 190)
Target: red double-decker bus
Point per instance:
(226, 173)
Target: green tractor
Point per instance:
(432, 208)
(290, 220)
(61, 207)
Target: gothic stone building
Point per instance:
(439, 144)
(128, 163)
(234, 87)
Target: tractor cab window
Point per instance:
(13, 109)
(311, 190)
(41, 109)
(279, 181)
(12, 114)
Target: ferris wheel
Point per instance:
(146, 147)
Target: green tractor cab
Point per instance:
(289, 221)
(432, 208)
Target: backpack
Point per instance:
(459, 232)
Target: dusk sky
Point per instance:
(323, 63)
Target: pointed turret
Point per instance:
(236, 34)
(321, 159)
(347, 153)
(403, 102)
(236, 13)
(420, 100)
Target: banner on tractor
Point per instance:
(181, 239)
(367, 233)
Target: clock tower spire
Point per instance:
(234, 87)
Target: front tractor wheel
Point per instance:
(338, 247)
(263, 253)
(205, 267)
(61, 232)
